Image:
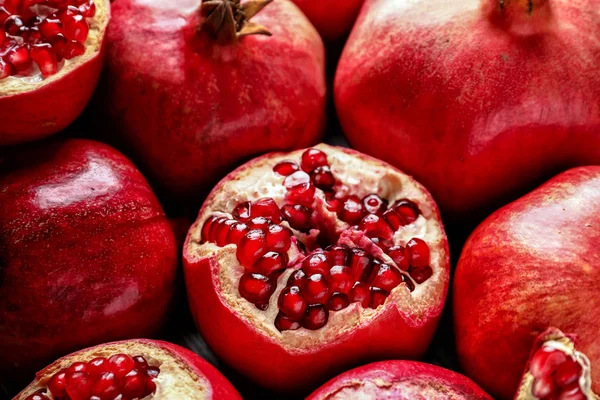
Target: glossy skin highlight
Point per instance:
(531, 265)
(87, 254)
(193, 109)
(475, 102)
(332, 18)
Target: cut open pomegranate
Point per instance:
(129, 370)
(316, 259)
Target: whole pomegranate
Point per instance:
(531, 265)
(132, 369)
(478, 99)
(86, 252)
(51, 54)
(197, 87)
(332, 18)
(314, 261)
(400, 380)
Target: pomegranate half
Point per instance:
(531, 265)
(86, 252)
(198, 87)
(128, 370)
(313, 261)
(51, 54)
(478, 99)
(400, 380)
(332, 18)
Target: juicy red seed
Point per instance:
(5, 69)
(341, 279)
(97, 366)
(261, 223)
(152, 372)
(222, 232)
(374, 226)
(39, 395)
(393, 219)
(106, 386)
(383, 244)
(567, 373)
(313, 158)
(241, 212)
(291, 303)
(120, 364)
(338, 301)
(270, 262)
(418, 252)
(133, 385)
(73, 49)
(266, 207)
(298, 216)
(150, 387)
(2, 35)
(301, 194)
(545, 361)
(378, 297)
(420, 274)
(58, 384)
(296, 179)
(374, 204)
(333, 204)
(79, 385)
(140, 363)
(76, 28)
(236, 232)
(409, 284)
(315, 318)
(360, 264)
(4, 14)
(386, 278)
(407, 210)
(340, 254)
(543, 387)
(214, 228)
(19, 58)
(88, 9)
(256, 288)
(317, 263)
(286, 167)
(283, 323)
(279, 238)
(360, 293)
(398, 255)
(13, 25)
(251, 247)
(316, 290)
(323, 178)
(298, 278)
(206, 228)
(572, 392)
(50, 28)
(352, 210)
(77, 367)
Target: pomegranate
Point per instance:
(332, 18)
(313, 261)
(400, 380)
(132, 369)
(531, 265)
(51, 54)
(86, 252)
(466, 95)
(211, 87)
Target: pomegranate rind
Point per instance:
(530, 265)
(332, 18)
(183, 374)
(402, 327)
(31, 111)
(400, 380)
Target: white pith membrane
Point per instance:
(16, 84)
(362, 176)
(175, 381)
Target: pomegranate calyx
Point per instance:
(229, 20)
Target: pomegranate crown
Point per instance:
(229, 20)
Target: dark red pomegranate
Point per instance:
(86, 252)
(286, 276)
(133, 369)
(51, 54)
(195, 92)
(332, 18)
(400, 380)
(531, 265)
(467, 95)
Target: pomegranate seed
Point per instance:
(316, 290)
(333, 204)
(221, 232)
(360, 293)
(279, 238)
(88, 9)
(97, 366)
(77, 367)
(322, 178)
(298, 216)
(33, 36)
(296, 179)
(572, 392)
(152, 372)
(283, 323)
(140, 363)
(5, 69)
(374, 226)
(386, 278)
(256, 288)
(206, 228)
(286, 167)
(298, 278)
(291, 303)
(316, 263)
(341, 279)
(545, 361)
(79, 385)
(58, 384)
(418, 252)
(73, 49)
(398, 255)
(120, 365)
(338, 301)
(352, 210)
(50, 28)
(2, 35)
(378, 297)
(360, 264)
(420, 274)
(4, 14)
(313, 158)
(270, 262)
(302, 194)
(251, 247)
(39, 395)
(12, 6)
(19, 58)
(393, 219)
(236, 232)
(409, 284)
(266, 207)
(106, 386)
(407, 210)
(59, 44)
(340, 254)
(543, 387)
(43, 56)
(14, 25)
(261, 223)
(133, 385)
(316, 317)
(374, 204)
(215, 227)
(241, 212)
(150, 387)
(567, 373)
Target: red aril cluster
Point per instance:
(556, 375)
(41, 33)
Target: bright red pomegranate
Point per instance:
(213, 86)
(531, 265)
(467, 95)
(332, 18)
(133, 369)
(86, 252)
(51, 54)
(313, 261)
(400, 380)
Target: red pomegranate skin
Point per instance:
(332, 18)
(531, 265)
(87, 254)
(50, 107)
(192, 109)
(400, 380)
(475, 102)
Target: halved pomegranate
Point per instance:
(400, 380)
(50, 58)
(314, 260)
(128, 370)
